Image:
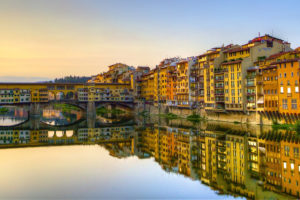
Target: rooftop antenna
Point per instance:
(258, 34)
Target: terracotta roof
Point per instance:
(182, 61)
(236, 49)
(276, 55)
(286, 61)
(269, 67)
(260, 38)
(232, 62)
(208, 53)
(139, 67)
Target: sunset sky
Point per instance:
(55, 38)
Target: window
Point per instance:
(292, 166)
(286, 150)
(292, 74)
(294, 104)
(284, 105)
(284, 75)
(297, 89)
(281, 90)
(296, 152)
(289, 90)
(284, 165)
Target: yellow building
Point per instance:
(238, 60)
(45, 92)
(117, 73)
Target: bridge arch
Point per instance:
(70, 96)
(51, 134)
(69, 133)
(60, 96)
(51, 96)
(59, 133)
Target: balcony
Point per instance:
(219, 100)
(219, 94)
(250, 84)
(220, 71)
(219, 79)
(260, 94)
(219, 86)
(251, 94)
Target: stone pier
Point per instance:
(35, 109)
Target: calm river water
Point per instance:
(142, 159)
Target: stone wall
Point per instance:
(233, 117)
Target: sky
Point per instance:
(46, 39)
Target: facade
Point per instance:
(117, 73)
(15, 93)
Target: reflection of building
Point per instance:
(290, 165)
(234, 162)
(51, 113)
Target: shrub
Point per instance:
(194, 118)
(297, 127)
(3, 110)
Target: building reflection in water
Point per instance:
(235, 162)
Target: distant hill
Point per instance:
(71, 79)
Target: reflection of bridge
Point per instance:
(19, 137)
(34, 122)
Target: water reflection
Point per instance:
(61, 114)
(252, 163)
(11, 115)
(113, 114)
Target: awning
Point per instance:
(260, 100)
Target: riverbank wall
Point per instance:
(254, 118)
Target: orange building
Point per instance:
(171, 85)
(182, 94)
(290, 160)
(270, 82)
(288, 82)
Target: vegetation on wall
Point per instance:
(66, 107)
(290, 127)
(3, 110)
(103, 110)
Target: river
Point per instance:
(143, 158)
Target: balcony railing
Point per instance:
(219, 86)
(251, 100)
(219, 100)
(249, 84)
(220, 71)
(220, 79)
